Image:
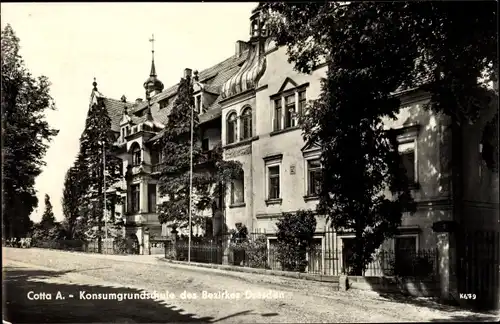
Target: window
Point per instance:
(231, 128)
(277, 114)
(302, 102)
(408, 160)
(246, 121)
(163, 103)
(294, 102)
(289, 110)
(205, 145)
(197, 103)
(274, 182)
(136, 155)
(155, 156)
(152, 198)
(405, 244)
(135, 198)
(237, 192)
(313, 177)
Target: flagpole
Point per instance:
(190, 183)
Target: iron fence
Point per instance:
(66, 245)
(107, 246)
(256, 251)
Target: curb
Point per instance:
(294, 275)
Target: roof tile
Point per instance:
(214, 77)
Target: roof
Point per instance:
(213, 78)
(115, 111)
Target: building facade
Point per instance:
(249, 103)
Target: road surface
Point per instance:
(42, 286)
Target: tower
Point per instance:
(153, 85)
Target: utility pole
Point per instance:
(104, 185)
(190, 183)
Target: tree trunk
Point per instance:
(457, 168)
(358, 265)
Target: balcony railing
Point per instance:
(142, 218)
(155, 168)
(141, 168)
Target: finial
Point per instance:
(152, 40)
(95, 84)
(196, 78)
(123, 98)
(153, 69)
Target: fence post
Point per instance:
(447, 260)
(174, 244)
(225, 249)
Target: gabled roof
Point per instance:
(115, 111)
(213, 78)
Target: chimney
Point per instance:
(187, 72)
(138, 100)
(241, 47)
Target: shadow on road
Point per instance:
(469, 318)
(428, 302)
(18, 308)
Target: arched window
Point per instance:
(246, 123)
(231, 128)
(136, 155)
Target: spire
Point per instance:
(152, 84)
(153, 69)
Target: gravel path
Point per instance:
(181, 294)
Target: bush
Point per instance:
(256, 252)
(66, 245)
(413, 266)
(295, 236)
(120, 245)
(170, 254)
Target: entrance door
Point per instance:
(347, 252)
(132, 244)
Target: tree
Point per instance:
(96, 137)
(210, 172)
(373, 49)
(25, 135)
(48, 220)
(70, 200)
(295, 235)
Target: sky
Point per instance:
(71, 43)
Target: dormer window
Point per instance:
(197, 103)
(255, 27)
(264, 30)
(163, 103)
